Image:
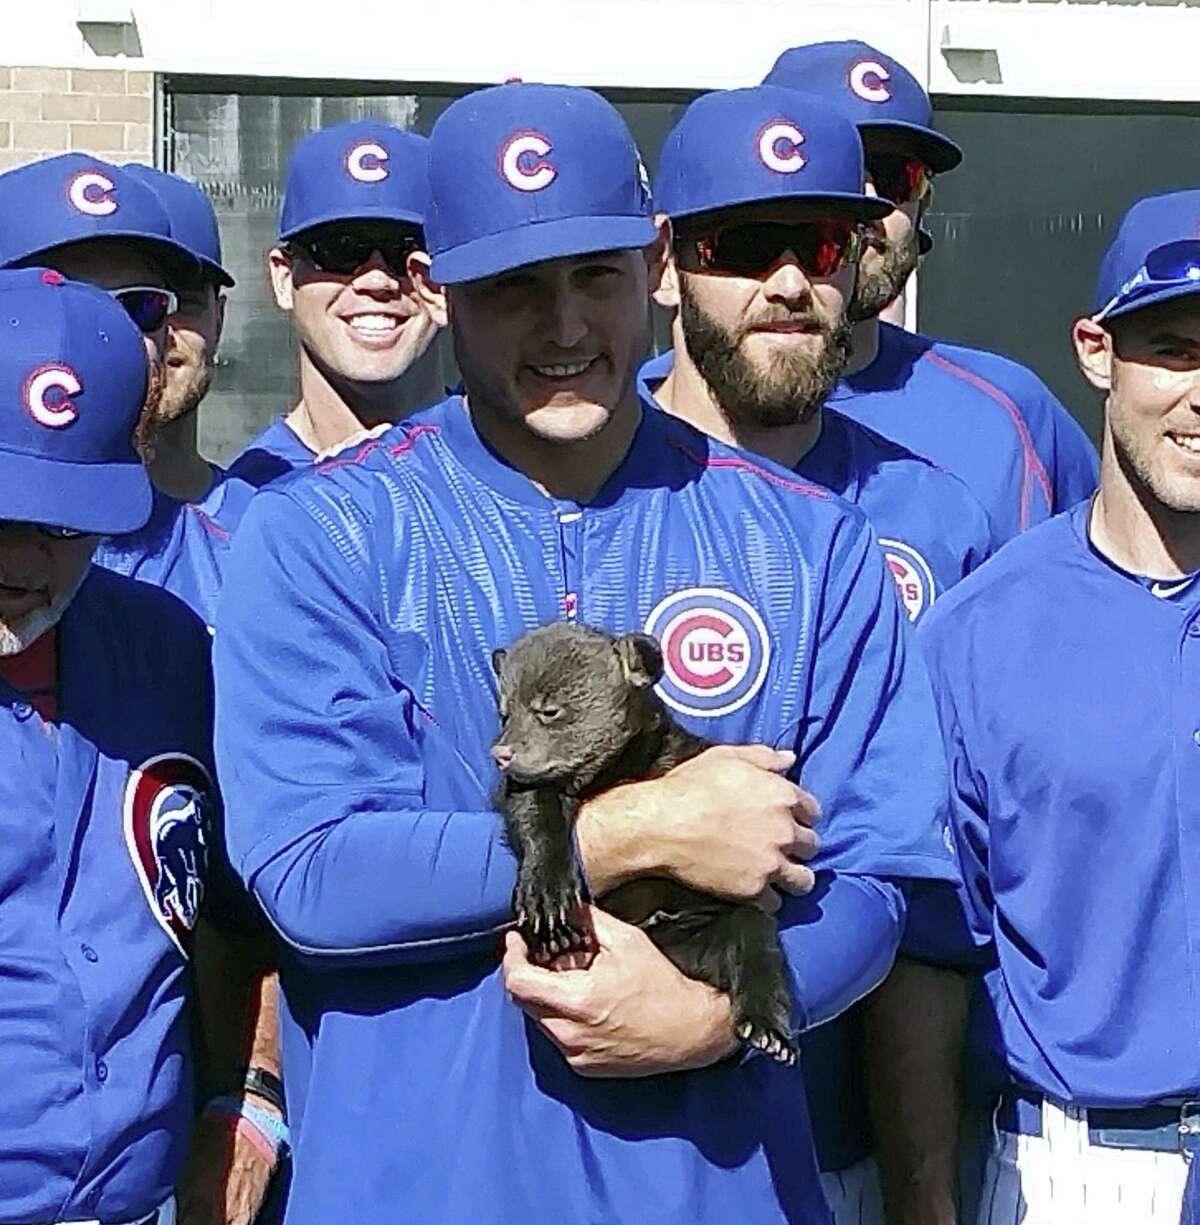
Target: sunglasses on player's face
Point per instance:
(899, 178)
(147, 305)
(752, 248)
(50, 530)
(343, 249)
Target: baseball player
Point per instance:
(762, 268)
(1075, 774)
(988, 420)
(109, 851)
(150, 239)
(360, 796)
(353, 207)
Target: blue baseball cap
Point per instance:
(73, 375)
(74, 198)
(359, 171)
(746, 146)
(1154, 258)
(522, 173)
(872, 90)
(191, 215)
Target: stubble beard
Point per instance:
(878, 286)
(790, 389)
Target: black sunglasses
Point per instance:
(899, 178)
(821, 247)
(50, 530)
(344, 249)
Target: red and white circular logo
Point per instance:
(715, 650)
(48, 392)
(523, 161)
(91, 193)
(779, 147)
(168, 827)
(365, 162)
(867, 79)
(912, 575)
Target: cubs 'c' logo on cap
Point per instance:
(523, 162)
(914, 578)
(867, 79)
(365, 162)
(779, 147)
(715, 650)
(91, 193)
(48, 391)
(167, 831)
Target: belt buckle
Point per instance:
(1189, 1128)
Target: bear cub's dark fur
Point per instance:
(580, 715)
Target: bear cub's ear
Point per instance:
(641, 659)
(498, 657)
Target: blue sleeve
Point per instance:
(954, 927)
(839, 943)
(1064, 447)
(1191, 1196)
(870, 750)
(325, 765)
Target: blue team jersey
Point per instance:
(932, 529)
(184, 545)
(1191, 1196)
(933, 533)
(105, 832)
(988, 420)
(356, 706)
(273, 453)
(1068, 694)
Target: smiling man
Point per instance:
(1076, 775)
(357, 705)
(353, 210)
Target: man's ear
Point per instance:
(279, 269)
(430, 294)
(221, 301)
(641, 659)
(1094, 352)
(664, 288)
(498, 657)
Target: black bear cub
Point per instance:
(579, 715)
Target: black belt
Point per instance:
(1164, 1127)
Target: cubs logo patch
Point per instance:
(167, 831)
(913, 577)
(90, 193)
(715, 650)
(365, 162)
(523, 162)
(866, 78)
(48, 391)
(779, 147)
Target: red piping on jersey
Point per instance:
(411, 436)
(1033, 464)
(813, 491)
(327, 465)
(208, 524)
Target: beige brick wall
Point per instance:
(105, 111)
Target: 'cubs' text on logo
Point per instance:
(365, 162)
(914, 578)
(867, 79)
(715, 650)
(91, 193)
(779, 147)
(523, 162)
(167, 831)
(48, 392)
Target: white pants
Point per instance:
(1060, 1178)
(854, 1195)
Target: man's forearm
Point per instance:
(912, 1051)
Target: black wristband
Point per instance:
(266, 1085)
